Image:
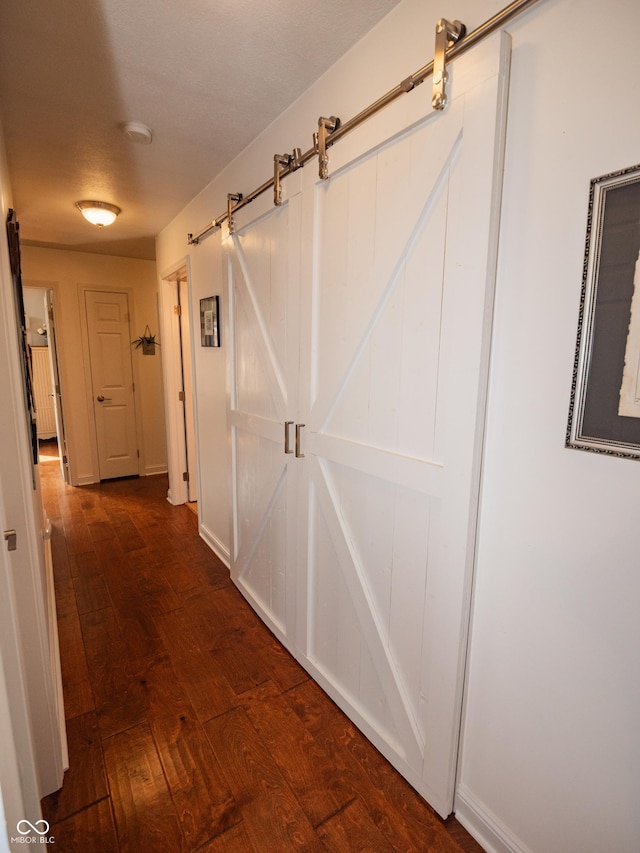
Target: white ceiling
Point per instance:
(205, 75)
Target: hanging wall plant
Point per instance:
(147, 341)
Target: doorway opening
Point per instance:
(40, 325)
(183, 468)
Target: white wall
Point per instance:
(67, 272)
(551, 733)
(204, 276)
(552, 730)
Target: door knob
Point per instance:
(102, 399)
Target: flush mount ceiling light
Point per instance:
(98, 212)
(137, 132)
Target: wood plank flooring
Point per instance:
(190, 727)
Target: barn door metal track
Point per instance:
(451, 41)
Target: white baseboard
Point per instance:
(218, 547)
(484, 826)
(151, 470)
(86, 480)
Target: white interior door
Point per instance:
(112, 382)
(397, 268)
(43, 392)
(263, 277)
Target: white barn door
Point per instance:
(263, 269)
(396, 292)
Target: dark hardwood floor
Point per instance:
(190, 727)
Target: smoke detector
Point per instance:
(137, 132)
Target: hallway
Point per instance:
(190, 727)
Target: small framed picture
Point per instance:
(210, 321)
(604, 412)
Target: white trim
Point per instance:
(484, 826)
(12, 781)
(85, 480)
(53, 290)
(170, 353)
(4, 838)
(12, 804)
(152, 470)
(217, 546)
(193, 317)
(54, 643)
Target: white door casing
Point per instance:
(182, 292)
(171, 355)
(57, 387)
(369, 537)
(112, 382)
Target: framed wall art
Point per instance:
(604, 411)
(210, 321)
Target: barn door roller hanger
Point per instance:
(447, 34)
(451, 41)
